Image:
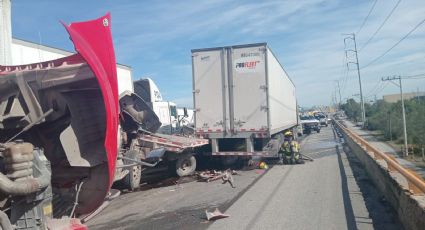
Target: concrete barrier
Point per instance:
(410, 208)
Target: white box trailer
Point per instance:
(241, 92)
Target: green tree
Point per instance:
(380, 115)
(352, 109)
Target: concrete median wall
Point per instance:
(410, 208)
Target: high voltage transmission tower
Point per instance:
(352, 36)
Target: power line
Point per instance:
(382, 25)
(416, 76)
(364, 21)
(382, 88)
(344, 72)
(375, 87)
(392, 47)
(378, 89)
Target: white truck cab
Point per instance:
(165, 110)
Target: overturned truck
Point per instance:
(58, 128)
(66, 137)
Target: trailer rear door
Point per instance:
(210, 83)
(248, 97)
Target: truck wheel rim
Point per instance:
(185, 165)
(136, 172)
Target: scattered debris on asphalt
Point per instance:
(227, 178)
(305, 157)
(215, 215)
(212, 175)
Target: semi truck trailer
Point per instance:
(243, 99)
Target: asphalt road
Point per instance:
(332, 192)
(172, 203)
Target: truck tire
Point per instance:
(185, 165)
(132, 180)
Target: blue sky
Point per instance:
(155, 38)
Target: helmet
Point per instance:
(288, 134)
(263, 165)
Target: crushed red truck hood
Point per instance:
(80, 137)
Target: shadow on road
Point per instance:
(348, 208)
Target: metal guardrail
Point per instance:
(416, 185)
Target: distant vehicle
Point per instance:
(309, 123)
(322, 118)
(299, 130)
(243, 99)
(359, 124)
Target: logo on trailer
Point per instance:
(248, 64)
(205, 58)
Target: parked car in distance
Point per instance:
(309, 123)
(322, 118)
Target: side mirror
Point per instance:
(185, 112)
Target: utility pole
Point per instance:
(406, 151)
(339, 92)
(417, 94)
(334, 99)
(352, 36)
(389, 121)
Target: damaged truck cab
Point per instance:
(66, 135)
(58, 125)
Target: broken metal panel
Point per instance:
(30, 101)
(75, 155)
(139, 112)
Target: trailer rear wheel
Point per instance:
(132, 180)
(185, 165)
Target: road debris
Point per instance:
(305, 157)
(215, 215)
(227, 177)
(212, 175)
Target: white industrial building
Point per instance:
(19, 52)
(393, 98)
(24, 52)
